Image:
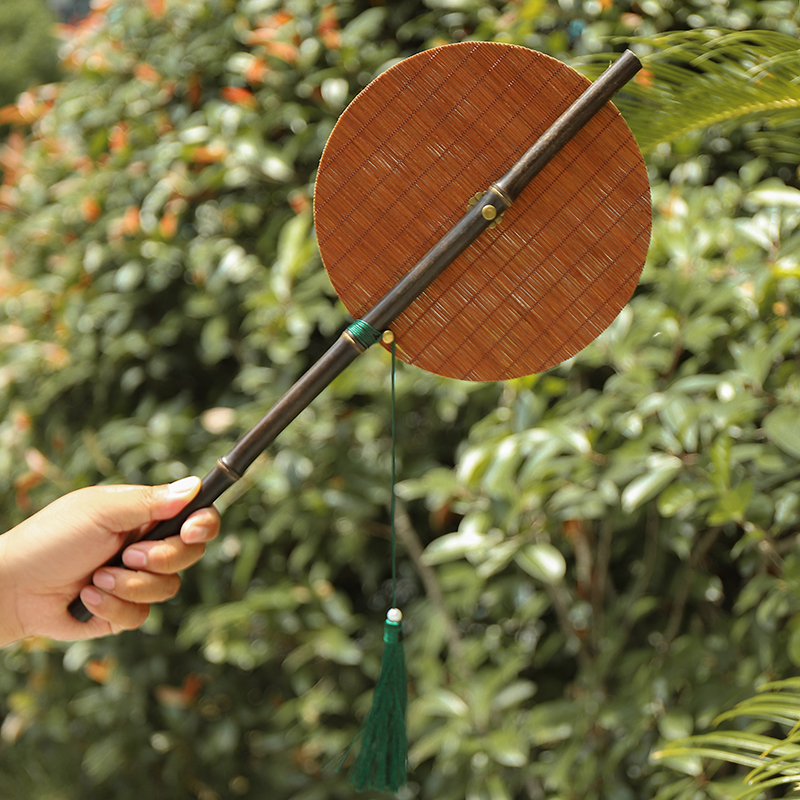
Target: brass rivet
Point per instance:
(488, 212)
(388, 337)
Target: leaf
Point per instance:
(103, 757)
(641, 489)
(366, 26)
(499, 477)
(453, 546)
(437, 484)
(732, 505)
(514, 694)
(677, 497)
(551, 722)
(334, 644)
(498, 558)
(441, 739)
(440, 703)
(675, 724)
(793, 645)
(782, 427)
(700, 78)
(505, 748)
(542, 561)
(777, 195)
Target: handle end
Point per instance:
(79, 610)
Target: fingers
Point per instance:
(163, 557)
(120, 614)
(176, 552)
(122, 597)
(116, 509)
(202, 526)
(134, 587)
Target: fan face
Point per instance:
(398, 172)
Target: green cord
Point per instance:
(365, 335)
(394, 478)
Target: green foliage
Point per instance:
(598, 560)
(698, 79)
(645, 488)
(27, 47)
(773, 762)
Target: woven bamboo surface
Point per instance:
(410, 152)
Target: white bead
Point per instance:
(394, 615)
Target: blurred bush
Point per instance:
(597, 559)
(28, 49)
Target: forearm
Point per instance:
(9, 619)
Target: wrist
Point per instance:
(9, 629)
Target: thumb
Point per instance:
(118, 509)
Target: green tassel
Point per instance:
(382, 761)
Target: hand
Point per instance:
(46, 561)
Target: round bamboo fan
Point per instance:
(408, 155)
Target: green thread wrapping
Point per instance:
(382, 760)
(364, 333)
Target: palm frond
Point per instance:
(773, 761)
(695, 79)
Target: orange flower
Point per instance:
(180, 697)
(90, 209)
(126, 225)
(265, 32)
(328, 28)
(23, 484)
(168, 226)
(83, 164)
(56, 355)
(257, 71)
(131, 220)
(11, 158)
(156, 7)
(8, 197)
(100, 671)
(630, 20)
(194, 90)
(282, 50)
(236, 94)
(163, 123)
(27, 109)
(144, 72)
(11, 114)
(299, 202)
(118, 138)
(22, 421)
(209, 155)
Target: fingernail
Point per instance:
(196, 532)
(91, 596)
(103, 579)
(183, 486)
(135, 559)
